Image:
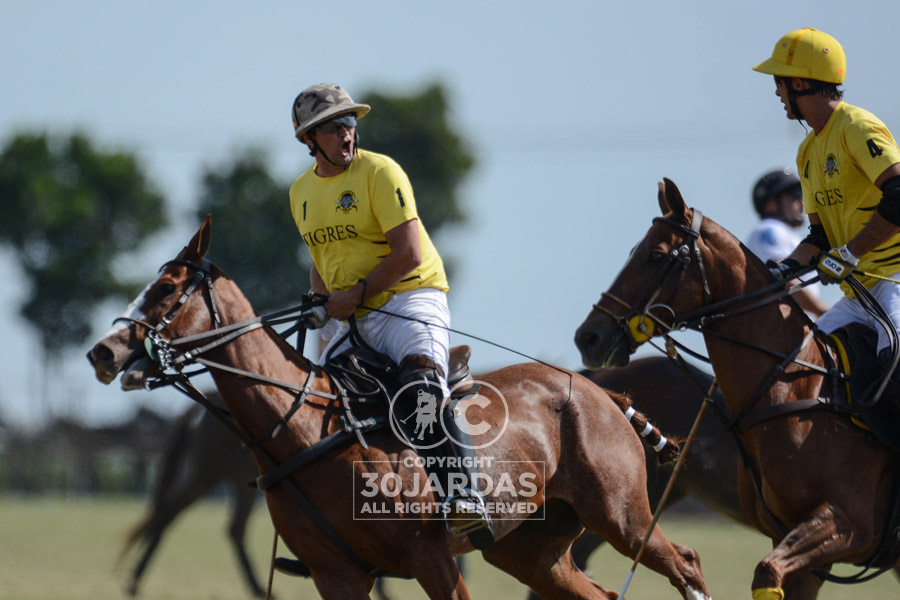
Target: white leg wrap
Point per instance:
(647, 430)
(630, 413)
(661, 444)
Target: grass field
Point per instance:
(52, 549)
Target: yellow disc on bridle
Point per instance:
(641, 328)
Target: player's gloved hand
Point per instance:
(316, 316)
(836, 265)
(780, 269)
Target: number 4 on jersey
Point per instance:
(874, 150)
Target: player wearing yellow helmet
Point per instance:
(849, 168)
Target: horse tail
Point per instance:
(666, 448)
(168, 472)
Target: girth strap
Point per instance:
(277, 474)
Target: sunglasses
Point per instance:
(334, 125)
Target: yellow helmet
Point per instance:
(807, 53)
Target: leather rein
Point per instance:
(640, 323)
(167, 354)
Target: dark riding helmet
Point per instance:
(771, 185)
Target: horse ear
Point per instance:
(670, 197)
(199, 244)
(661, 198)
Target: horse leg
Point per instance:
(802, 585)
(537, 553)
(622, 516)
(155, 535)
(439, 578)
(347, 584)
(617, 508)
(826, 537)
(244, 498)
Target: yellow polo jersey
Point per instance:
(838, 168)
(343, 220)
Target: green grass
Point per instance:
(54, 549)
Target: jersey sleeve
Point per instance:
(393, 201)
(871, 145)
(809, 204)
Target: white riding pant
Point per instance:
(847, 310)
(425, 331)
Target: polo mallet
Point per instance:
(670, 484)
(272, 567)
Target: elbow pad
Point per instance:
(889, 207)
(818, 238)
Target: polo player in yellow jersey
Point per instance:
(357, 213)
(849, 167)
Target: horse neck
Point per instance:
(256, 406)
(779, 326)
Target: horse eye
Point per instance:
(656, 255)
(167, 289)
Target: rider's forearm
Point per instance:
(876, 232)
(804, 253)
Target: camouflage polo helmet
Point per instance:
(321, 102)
(807, 53)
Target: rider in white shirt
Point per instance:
(778, 200)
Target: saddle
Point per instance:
(855, 347)
(369, 376)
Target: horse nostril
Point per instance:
(585, 338)
(100, 353)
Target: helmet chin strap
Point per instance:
(792, 100)
(316, 149)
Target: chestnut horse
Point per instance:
(819, 487)
(560, 434)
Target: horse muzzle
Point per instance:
(602, 343)
(109, 359)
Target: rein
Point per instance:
(169, 357)
(639, 323)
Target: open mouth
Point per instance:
(136, 373)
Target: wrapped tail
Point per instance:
(666, 448)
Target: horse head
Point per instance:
(167, 308)
(683, 262)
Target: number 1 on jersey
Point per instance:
(400, 198)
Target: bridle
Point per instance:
(158, 348)
(169, 357)
(639, 323)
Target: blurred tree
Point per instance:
(71, 211)
(254, 237)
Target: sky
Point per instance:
(574, 111)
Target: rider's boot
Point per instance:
(465, 510)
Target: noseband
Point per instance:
(639, 323)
